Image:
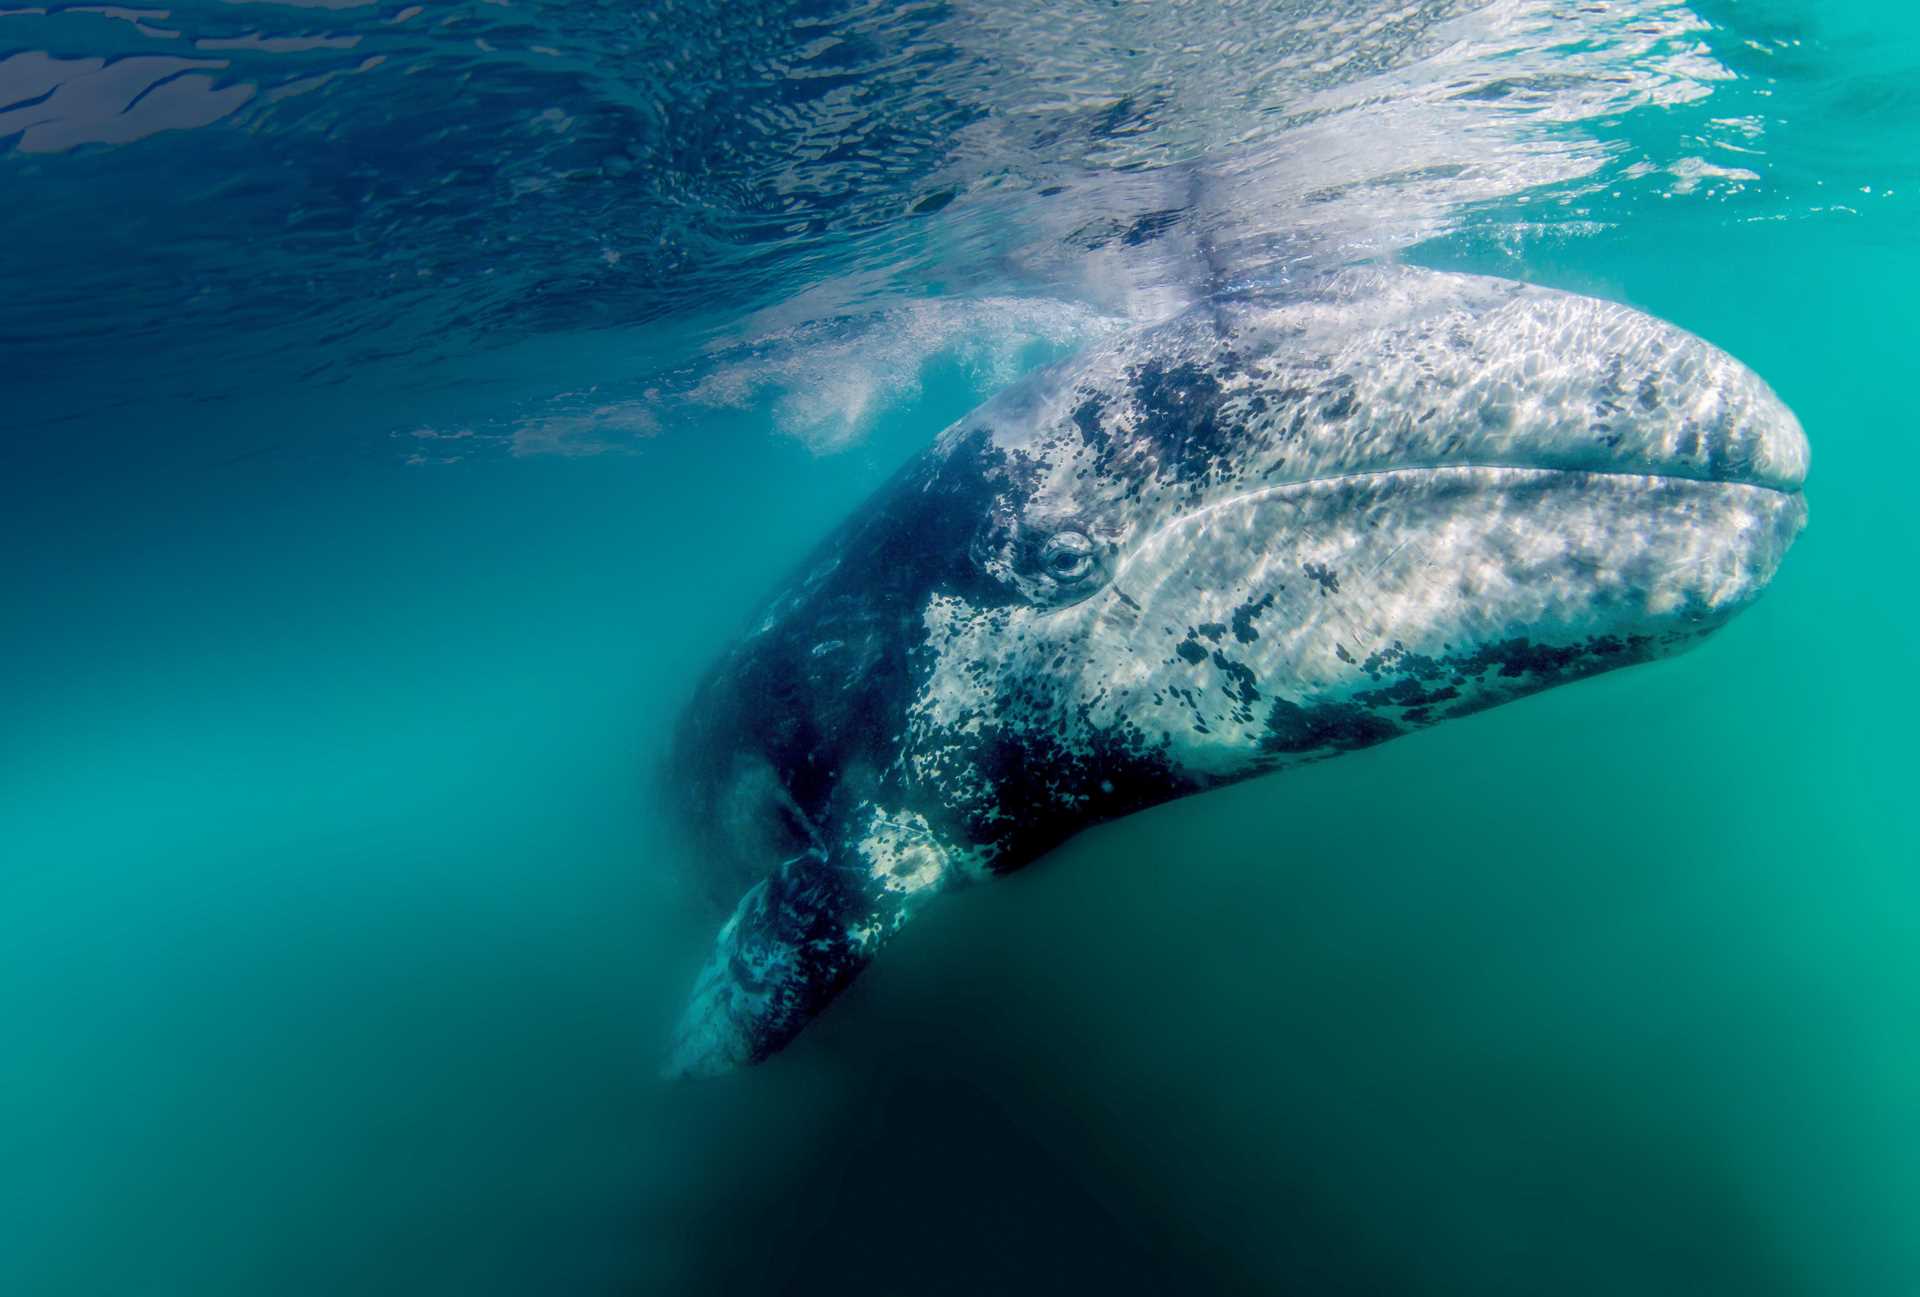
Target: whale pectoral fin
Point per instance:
(795, 941)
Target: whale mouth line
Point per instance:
(1518, 472)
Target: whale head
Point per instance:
(1281, 527)
(1285, 528)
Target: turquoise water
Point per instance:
(342, 926)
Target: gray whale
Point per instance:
(1283, 526)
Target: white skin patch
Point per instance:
(902, 853)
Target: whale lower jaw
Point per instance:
(1310, 618)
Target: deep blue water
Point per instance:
(402, 404)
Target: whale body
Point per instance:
(1283, 526)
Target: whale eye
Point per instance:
(1067, 556)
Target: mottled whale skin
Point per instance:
(1280, 527)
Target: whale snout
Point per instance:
(1766, 448)
(1667, 403)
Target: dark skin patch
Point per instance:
(1191, 650)
(1339, 727)
(1246, 614)
(1179, 426)
(1397, 657)
(1512, 658)
(1406, 692)
(1544, 665)
(1086, 417)
(1043, 792)
(1607, 398)
(1515, 658)
(1340, 402)
(1329, 579)
(1213, 630)
(1242, 686)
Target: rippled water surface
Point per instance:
(403, 402)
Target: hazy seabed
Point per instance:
(403, 402)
